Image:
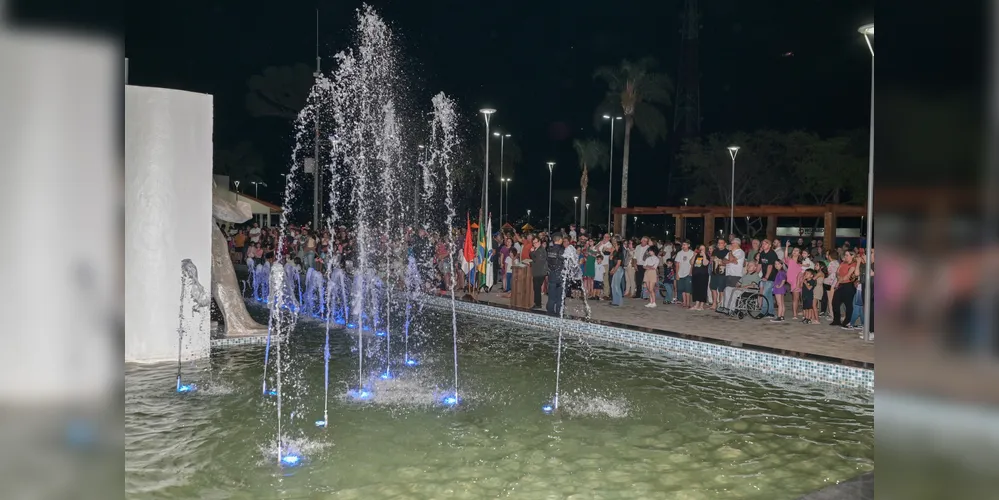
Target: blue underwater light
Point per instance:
(185, 388)
(272, 392)
(351, 325)
(367, 328)
(450, 400)
(360, 394)
(291, 460)
(548, 408)
(340, 321)
(380, 333)
(386, 376)
(320, 423)
(412, 362)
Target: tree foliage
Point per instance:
(279, 91)
(774, 168)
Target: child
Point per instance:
(780, 287)
(598, 277)
(820, 278)
(669, 282)
(808, 303)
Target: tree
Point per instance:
(592, 154)
(640, 93)
(279, 91)
(241, 163)
(774, 168)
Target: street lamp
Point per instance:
(610, 161)
(733, 151)
(575, 211)
(587, 211)
(507, 182)
(502, 138)
(256, 188)
(551, 167)
(685, 201)
(868, 31)
(486, 113)
(528, 215)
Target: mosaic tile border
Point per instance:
(227, 341)
(798, 368)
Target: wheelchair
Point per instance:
(750, 302)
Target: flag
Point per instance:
(481, 254)
(468, 250)
(490, 272)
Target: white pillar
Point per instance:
(168, 217)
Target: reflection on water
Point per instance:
(631, 425)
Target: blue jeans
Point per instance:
(617, 282)
(767, 289)
(509, 280)
(858, 310)
(668, 294)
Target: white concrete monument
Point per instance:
(168, 217)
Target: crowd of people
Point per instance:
(798, 278)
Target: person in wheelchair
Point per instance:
(750, 282)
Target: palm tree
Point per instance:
(640, 93)
(592, 154)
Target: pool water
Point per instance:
(631, 424)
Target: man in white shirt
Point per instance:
(640, 252)
(735, 262)
(255, 233)
(684, 283)
(572, 232)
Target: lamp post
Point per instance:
(486, 113)
(575, 211)
(733, 151)
(610, 175)
(256, 188)
(551, 167)
(502, 180)
(868, 31)
(528, 215)
(237, 193)
(587, 211)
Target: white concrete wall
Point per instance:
(168, 217)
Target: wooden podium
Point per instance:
(523, 290)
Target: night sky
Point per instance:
(533, 61)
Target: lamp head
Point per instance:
(497, 134)
(487, 111)
(507, 135)
(867, 29)
(551, 165)
(420, 146)
(575, 198)
(733, 150)
(607, 117)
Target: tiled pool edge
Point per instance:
(806, 369)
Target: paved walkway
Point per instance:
(791, 338)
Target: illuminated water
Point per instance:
(630, 425)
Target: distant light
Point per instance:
(411, 362)
(380, 333)
(291, 460)
(497, 134)
(450, 400)
(272, 392)
(386, 376)
(351, 325)
(606, 117)
(788, 54)
(320, 423)
(487, 111)
(366, 328)
(547, 408)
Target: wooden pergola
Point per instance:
(829, 213)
